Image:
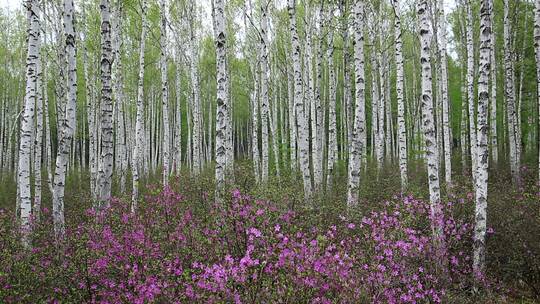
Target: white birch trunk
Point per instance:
(107, 142)
(355, 147)
(493, 104)
(303, 131)
(138, 152)
(445, 103)
(68, 127)
(332, 139)
(27, 118)
(196, 136)
(510, 98)
(470, 87)
(164, 93)
(402, 133)
(479, 255)
(221, 113)
(264, 93)
(432, 152)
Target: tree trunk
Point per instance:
(402, 133)
(355, 147)
(432, 152)
(140, 147)
(510, 98)
(221, 128)
(479, 255)
(303, 131)
(68, 127)
(164, 93)
(107, 144)
(27, 118)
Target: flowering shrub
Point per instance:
(244, 251)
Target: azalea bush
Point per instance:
(243, 250)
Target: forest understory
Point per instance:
(269, 245)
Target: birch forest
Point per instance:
(269, 151)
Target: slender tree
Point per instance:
(27, 118)
(402, 133)
(482, 144)
(220, 40)
(164, 93)
(355, 146)
(107, 144)
(68, 127)
(138, 157)
(432, 151)
(303, 144)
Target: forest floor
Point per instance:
(265, 244)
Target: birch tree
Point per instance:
(432, 151)
(303, 142)
(138, 152)
(107, 148)
(510, 97)
(220, 40)
(470, 86)
(68, 127)
(264, 90)
(355, 147)
(332, 139)
(27, 118)
(479, 255)
(402, 133)
(164, 93)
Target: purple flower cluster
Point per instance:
(248, 251)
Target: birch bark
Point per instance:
(303, 142)
(479, 251)
(107, 143)
(68, 127)
(355, 147)
(27, 118)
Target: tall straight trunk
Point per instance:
(493, 104)
(292, 120)
(264, 92)
(107, 143)
(164, 93)
(432, 152)
(221, 128)
(510, 98)
(38, 142)
(347, 96)
(273, 117)
(118, 83)
(254, 100)
(332, 139)
(444, 100)
(195, 111)
(68, 127)
(178, 138)
(27, 118)
(303, 131)
(402, 133)
(318, 155)
(355, 147)
(479, 255)
(537, 53)
(470, 86)
(140, 147)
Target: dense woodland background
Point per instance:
(411, 125)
